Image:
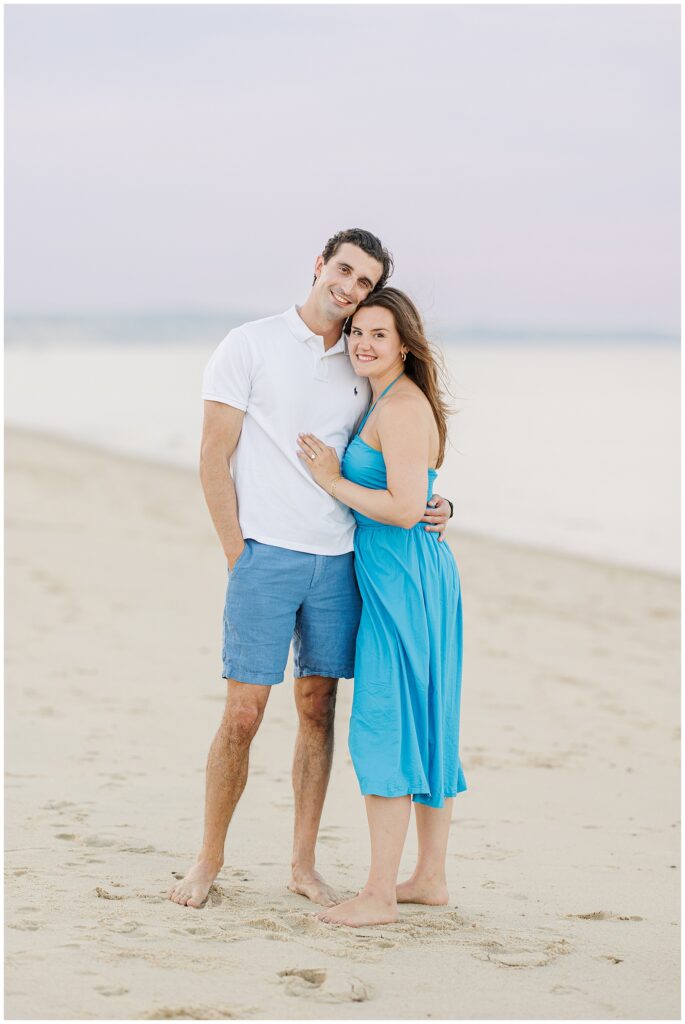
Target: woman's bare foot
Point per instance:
(364, 909)
(312, 885)
(193, 889)
(430, 891)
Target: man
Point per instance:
(288, 544)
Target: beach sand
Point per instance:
(563, 864)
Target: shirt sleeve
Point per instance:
(228, 374)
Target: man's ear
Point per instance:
(318, 266)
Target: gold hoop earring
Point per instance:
(404, 356)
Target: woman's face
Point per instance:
(375, 346)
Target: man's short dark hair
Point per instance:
(368, 243)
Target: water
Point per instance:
(571, 446)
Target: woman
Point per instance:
(404, 729)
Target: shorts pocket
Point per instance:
(241, 559)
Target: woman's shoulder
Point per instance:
(407, 400)
(409, 416)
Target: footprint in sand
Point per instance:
(605, 915)
(196, 1013)
(103, 894)
(517, 959)
(152, 897)
(26, 926)
(58, 805)
(432, 924)
(314, 976)
(497, 953)
(127, 928)
(98, 842)
(359, 940)
(303, 924)
(330, 835)
(244, 875)
(318, 984)
(199, 931)
(267, 924)
(444, 927)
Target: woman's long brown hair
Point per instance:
(424, 363)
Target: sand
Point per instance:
(564, 857)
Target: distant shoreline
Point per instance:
(470, 535)
(170, 327)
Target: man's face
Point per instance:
(345, 281)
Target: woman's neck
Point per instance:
(379, 384)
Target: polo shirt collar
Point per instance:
(301, 332)
(297, 325)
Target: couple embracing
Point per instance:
(346, 560)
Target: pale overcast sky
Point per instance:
(521, 162)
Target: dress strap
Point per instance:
(372, 407)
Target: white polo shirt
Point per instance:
(279, 373)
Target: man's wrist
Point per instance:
(451, 507)
(235, 550)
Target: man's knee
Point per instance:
(315, 700)
(243, 713)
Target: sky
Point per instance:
(521, 162)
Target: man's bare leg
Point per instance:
(226, 776)
(315, 701)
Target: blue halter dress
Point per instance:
(404, 729)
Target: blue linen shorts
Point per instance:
(275, 595)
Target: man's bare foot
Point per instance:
(362, 910)
(429, 891)
(192, 890)
(312, 885)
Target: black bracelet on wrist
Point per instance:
(451, 507)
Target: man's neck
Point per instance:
(329, 330)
